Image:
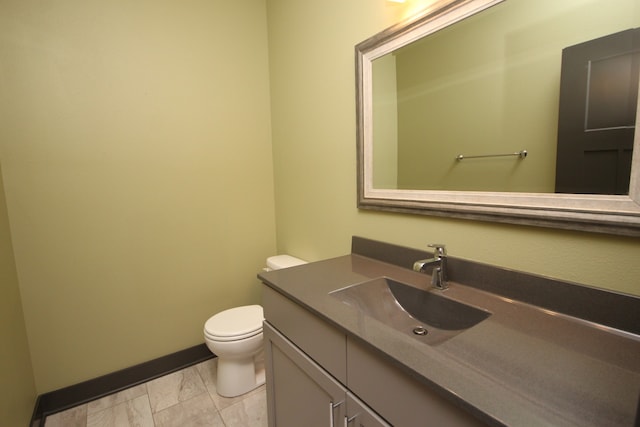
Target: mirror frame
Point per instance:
(609, 214)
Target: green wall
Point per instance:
(385, 123)
(17, 388)
(135, 143)
(313, 119)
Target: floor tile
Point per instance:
(135, 412)
(116, 398)
(185, 398)
(175, 388)
(74, 417)
(197, 411)
(250, 412)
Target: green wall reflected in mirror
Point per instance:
(488, 85)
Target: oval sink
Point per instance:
(408, 309)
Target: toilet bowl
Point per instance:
(235, 337)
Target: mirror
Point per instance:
(483, 136)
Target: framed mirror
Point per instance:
(515, 111)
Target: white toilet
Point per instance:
(235, 336)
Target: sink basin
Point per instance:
(420, 313)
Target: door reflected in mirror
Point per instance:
(558, 79)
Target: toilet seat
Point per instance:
(235, 323)
(231, 339)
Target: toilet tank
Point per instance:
(277, 262)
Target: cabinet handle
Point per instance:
(347, 421)
(332, 407)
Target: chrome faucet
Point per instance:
(439, 262)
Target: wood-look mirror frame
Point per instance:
(595, 213)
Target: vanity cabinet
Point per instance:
(318, 376)
(303, 394)
(306, 370)
(541, 358)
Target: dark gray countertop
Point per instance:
(523, 366)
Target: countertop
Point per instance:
(523, 366)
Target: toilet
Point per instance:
(235, 336)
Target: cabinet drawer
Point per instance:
(400, 399)
(319, 340)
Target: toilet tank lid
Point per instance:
(277, 262)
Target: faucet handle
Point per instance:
(440, 249)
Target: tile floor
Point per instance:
(184, 398)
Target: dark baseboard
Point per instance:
(68, 397)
